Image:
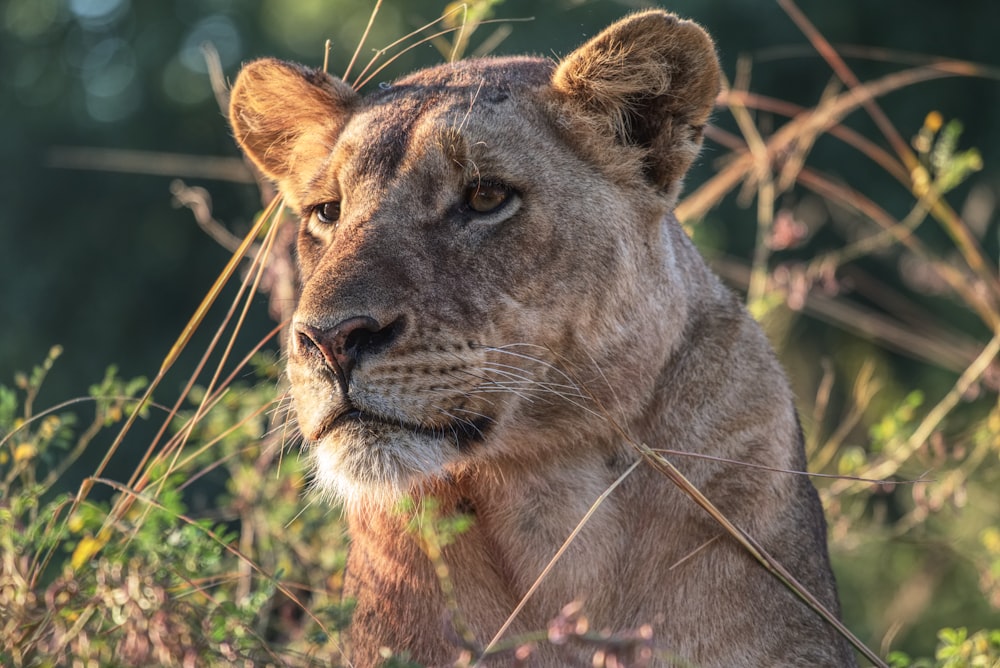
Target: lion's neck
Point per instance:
(519, 523)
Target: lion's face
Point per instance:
(449, 262)
(475, 278)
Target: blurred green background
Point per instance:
(103, 262)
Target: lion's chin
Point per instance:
(361, 460)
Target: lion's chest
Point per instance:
(531, 529)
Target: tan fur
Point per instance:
(500, 363)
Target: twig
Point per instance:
(944, 348)
(824, 116)
(199, 202)
(216, 76)
(762, 176)
(150, 162)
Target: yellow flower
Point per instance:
(934, 121)
(49, 427)
(85, 549)
(24, 451)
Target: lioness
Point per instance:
(496, 303)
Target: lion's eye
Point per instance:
(484, 197)
(327, 213)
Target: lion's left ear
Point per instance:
(648, 81)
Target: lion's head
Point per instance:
(484, 248)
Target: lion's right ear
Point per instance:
(285, 116)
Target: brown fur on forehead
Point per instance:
(387, 129)
(491, 78)
(391, 116)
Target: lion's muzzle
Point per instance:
(340, 347)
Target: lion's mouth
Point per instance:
(462, 434)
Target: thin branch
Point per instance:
(199, 202)
(889, 466)
(947, 349)
(149, 162)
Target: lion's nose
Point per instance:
(344, 344)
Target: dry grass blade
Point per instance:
(555, 558)
(141, 471)
(862, 144)
(361, 42)
(774, 469)
(955, 279)
(165, 366)
(655, 458)
(362, 78)
(361, 83)
(269, 214)
(935, 345)
(762, 177)
(259, 264)
(881, 54)
(663, 465)
(365, 76)
(152, 163)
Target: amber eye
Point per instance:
(327, 212)
(485, 197)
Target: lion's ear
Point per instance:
(285, 115)
(648, 81)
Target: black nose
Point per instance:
(343, 345)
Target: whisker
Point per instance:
(498, 367)
(558, 389)
(498, 388)
(531, 358)
(455, 419)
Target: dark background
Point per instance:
(104, 264)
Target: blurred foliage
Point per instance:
(957, 649)
(136, 581)
(214, 551)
